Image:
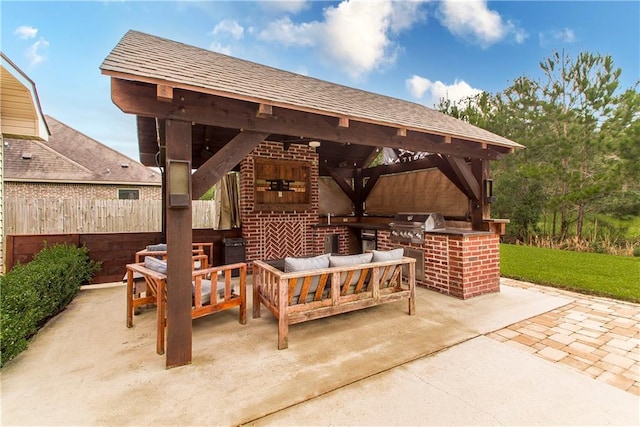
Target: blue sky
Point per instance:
(414, 50)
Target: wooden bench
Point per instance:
(223, 293)
(306, 295)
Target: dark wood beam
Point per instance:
(371, 182)
(343, 184)
(464, 173)
(426, 163)
(444, 167)
(178, 140)
(358, 189)
(139, 98)
(223, 161)
(480, 209)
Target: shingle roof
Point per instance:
(70, 156)
(154, 59)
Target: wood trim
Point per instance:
(164, 93)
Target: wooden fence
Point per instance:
(113, 250)
(53, 216)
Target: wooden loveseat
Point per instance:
(311, 288)
(212, 288)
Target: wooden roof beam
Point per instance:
(140, 98)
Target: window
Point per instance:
(128, 194)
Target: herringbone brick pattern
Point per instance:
(283, 238)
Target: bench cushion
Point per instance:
(392, 255)
(206, 291)
(155, 264)
(349, 260)
(159, 247)
(303, 264)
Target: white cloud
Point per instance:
(287, 6)
(230, 27)
(34, 53)
(217, 47)
(432, 92)
(564, 35)
(355, 35)
(286, 32)
(25, 32)
(473, 21)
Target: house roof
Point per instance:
(20, 112)
(147, 58)
(72, 157)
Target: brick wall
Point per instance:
(269, 234)
(461, 265)
(45, 190)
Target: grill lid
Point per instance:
(424, 220)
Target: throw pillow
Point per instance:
(155, 264)
(392, 255)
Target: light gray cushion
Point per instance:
(303, 264)
(206, 291)
(392, 255)
(155, 264)
(157, 247)
(349, 260)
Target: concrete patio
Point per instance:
(375, 366)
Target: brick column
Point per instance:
(272, 234)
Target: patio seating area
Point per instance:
(370, 366)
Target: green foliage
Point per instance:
(581, 134)
(598, 274)
(32, 293)
(209, 194)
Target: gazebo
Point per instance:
(201, 114)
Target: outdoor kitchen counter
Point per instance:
(358, 225)
(458, 232)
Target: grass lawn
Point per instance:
(598, 274)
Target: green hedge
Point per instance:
(32, 293)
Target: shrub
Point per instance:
(32, 293)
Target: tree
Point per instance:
(582, 139)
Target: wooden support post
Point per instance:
(359, 189)
(480, 209)
(179, 241)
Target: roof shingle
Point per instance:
(70, 156)
(154, 59)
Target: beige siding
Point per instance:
(37, 190)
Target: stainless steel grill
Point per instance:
(409, 227)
